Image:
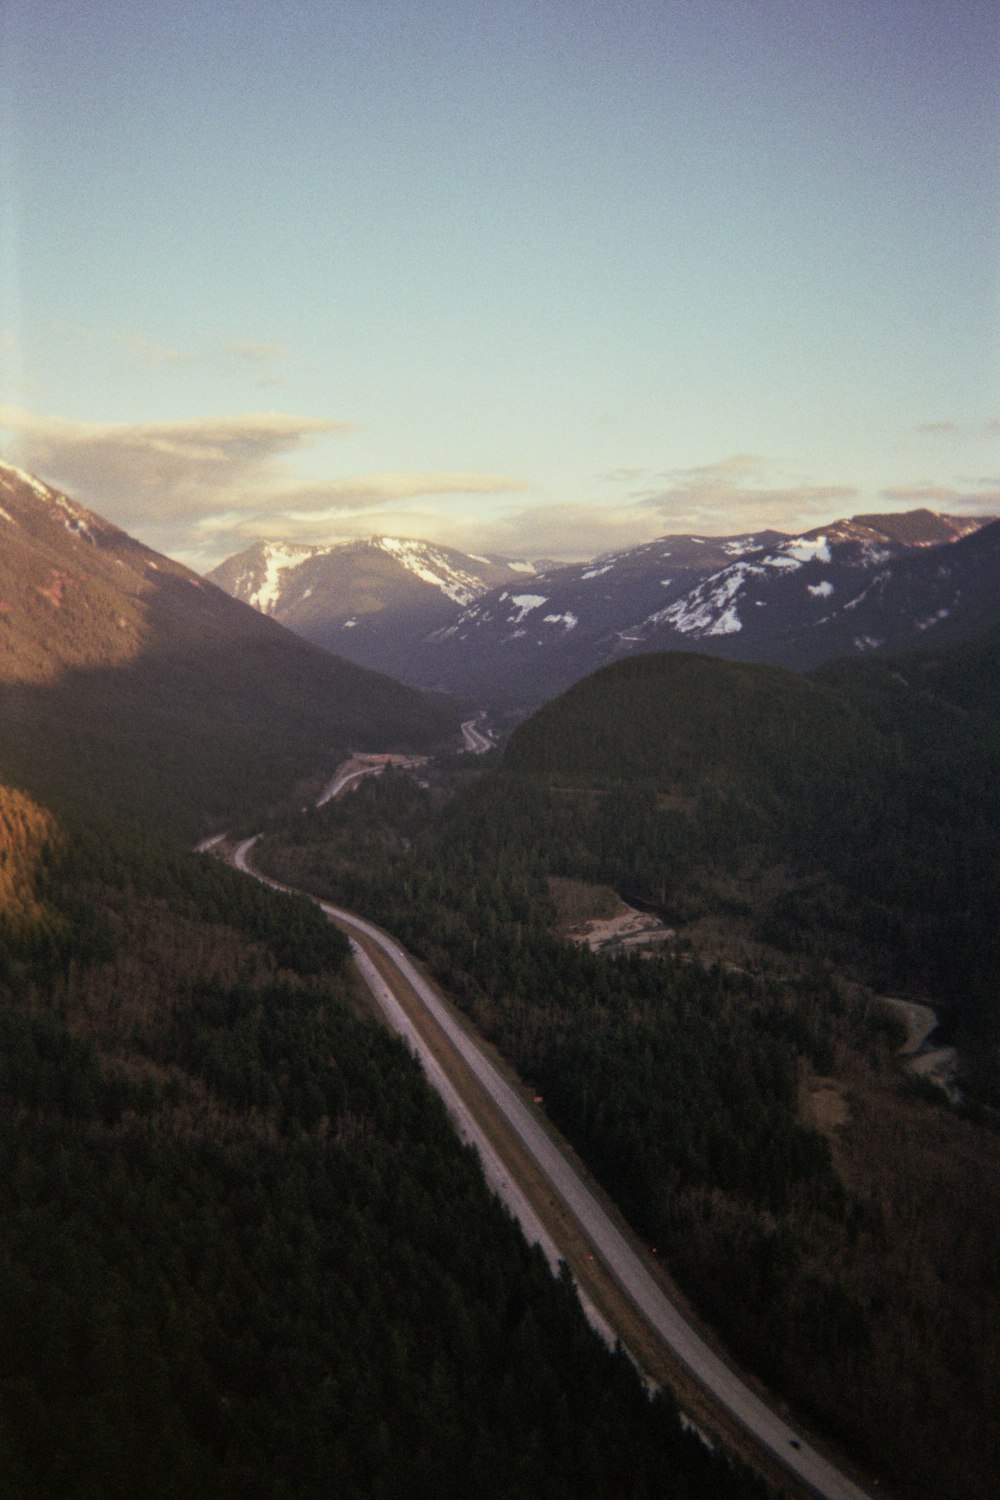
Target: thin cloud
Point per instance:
(563, 532)
(729, 495)
(622, 476)
(736, 466)
(263, 357)
(138, 347)
(946, 497)
(257, 352)
(159, 468)
(360, 506)
(149, 352)
(157, 478)
(363, 491)
(944, 426)
(922, 494)
(203, 487)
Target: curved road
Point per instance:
(770, 1431)
(476, 741)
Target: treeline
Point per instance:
(241, 1249)
(683, 1087)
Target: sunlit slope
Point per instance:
(127, 680)
(28, 837)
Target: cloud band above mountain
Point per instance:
(206, 486)
(202, 489)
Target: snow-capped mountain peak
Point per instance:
(437, 567)
(440, 618)
(275, 560)
(368, 599)
(773, 594)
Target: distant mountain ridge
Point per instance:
(851, 586)
(440, 619)
(127, 679)
(810, 589)
(570, 619)
(371, 600)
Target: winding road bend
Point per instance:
(475, 740)
(394, 981)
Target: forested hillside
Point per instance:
(745, 1107)
(241, 1249)
(852, 815)
(27, 838)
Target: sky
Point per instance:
(536, 278)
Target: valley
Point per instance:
(468, 881)
(609, 1263)
(499, 751)
(664, 902)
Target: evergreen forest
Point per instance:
(807, 843)
(242, 1252)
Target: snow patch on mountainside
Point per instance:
(712, 607)
(806, 548)
(41, 490)
(875, 554)
(73, 517)
(277, 561)
(432, 567)
(709, 609)
(265, 577)
(934, 619)
(524, 604)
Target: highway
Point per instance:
(364, 765)
(769, 1430)
(476, 741)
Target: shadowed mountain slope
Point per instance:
(850, 587)
(126, 679)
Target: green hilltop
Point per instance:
(850, 814)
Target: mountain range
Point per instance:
(439, 619)
(211, 1175)
(371, 601)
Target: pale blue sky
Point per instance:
(539, 278)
